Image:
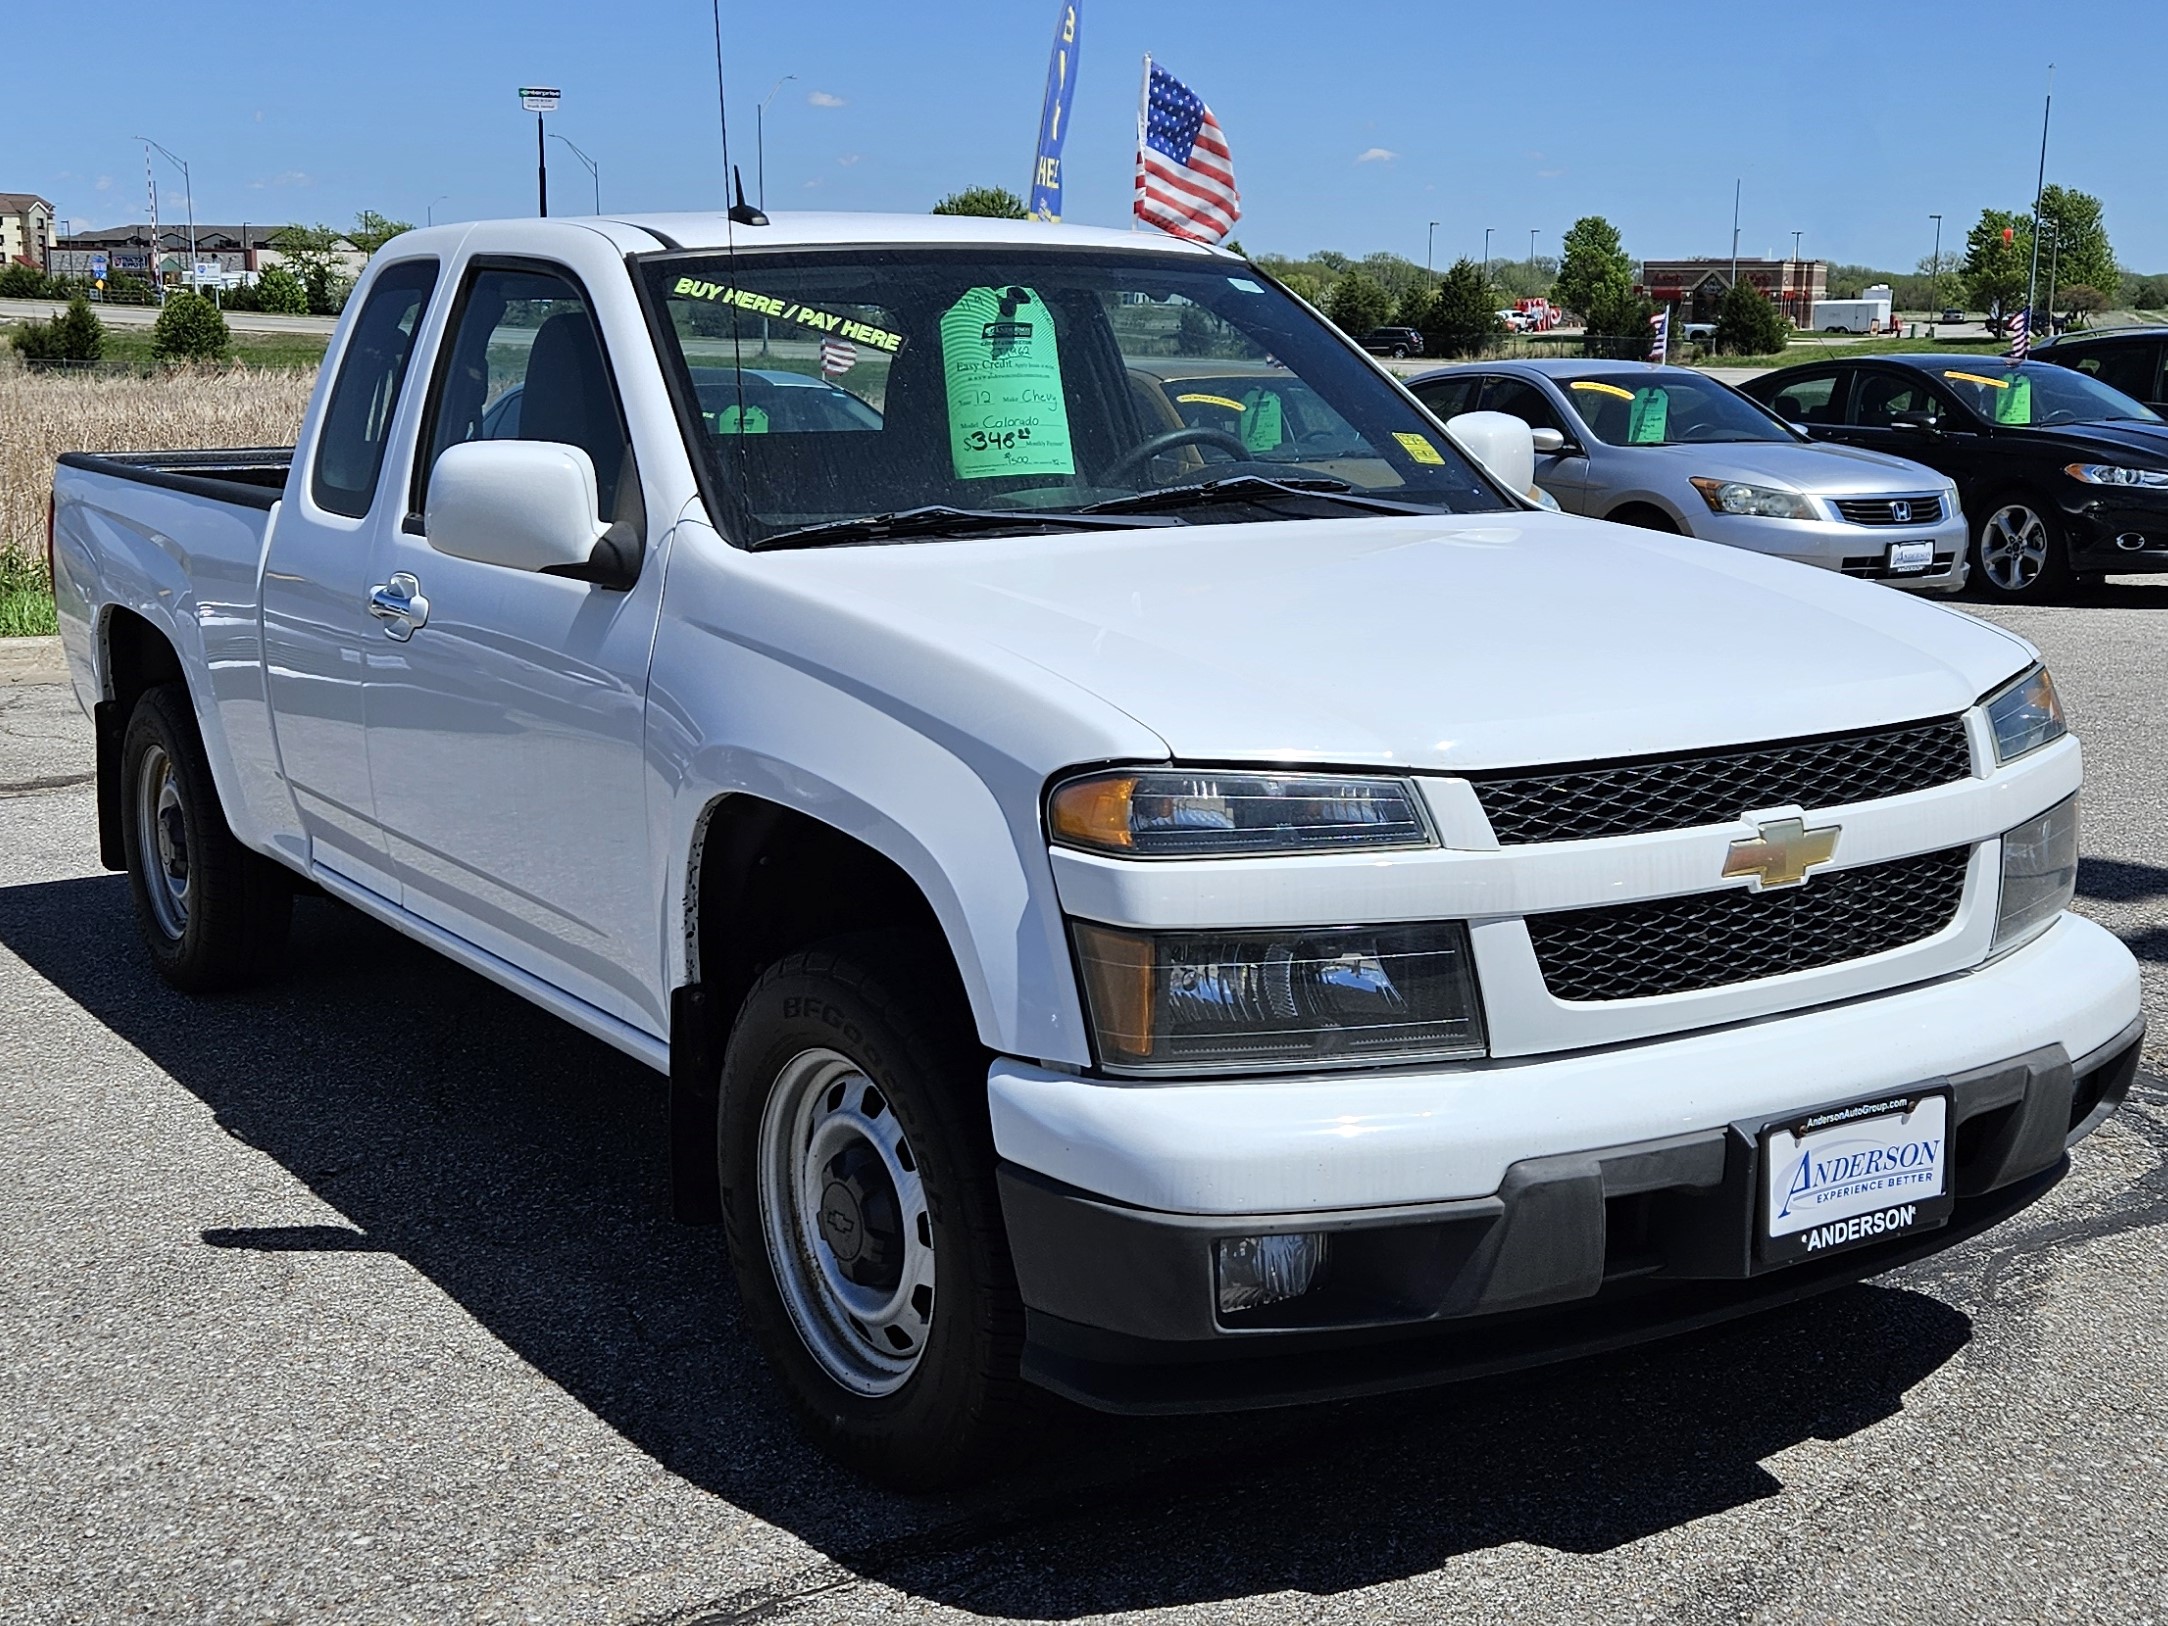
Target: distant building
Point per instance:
(228, 253)
(1695, 288)
(26, 228)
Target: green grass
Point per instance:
(128, 349)
(1808, 348)
(26, 603)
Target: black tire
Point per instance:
(2020, 552)
(213, 914)
(1643, 518)
(906, 1053)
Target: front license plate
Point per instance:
(1857, 1174)
(1906, 556)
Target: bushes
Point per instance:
(279, 290)
(1747, 324)
(25, 282)
(1462, 319)
(190, 328)
(74, 335)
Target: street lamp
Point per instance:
(1430, 247)
(1486, 255)
(429, 215)
(1531, 250)
(760, 140)
(594, 171)
(1934, 266)
(189, 191)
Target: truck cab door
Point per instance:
(318, 633)
(506, 707)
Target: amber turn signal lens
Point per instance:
(1094, 812)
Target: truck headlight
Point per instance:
(2025, 714)
(1204, 813)
(1225, 1001)
(2039, 874)
(1766, 502)
(2115, 474)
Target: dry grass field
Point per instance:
(45, 414)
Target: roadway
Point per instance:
(38, 310)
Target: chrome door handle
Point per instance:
(399, 604)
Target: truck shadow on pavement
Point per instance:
(519, 1166)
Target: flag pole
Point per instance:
(2040, 187)
(1144, 100)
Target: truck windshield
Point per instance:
(825, 388)
(1669, 409)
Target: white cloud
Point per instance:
(813, 183)
(1376, 155)
(259, 115)
(850, 158)
(105, 183)
(285, 178)
(823, 98)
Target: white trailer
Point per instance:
(1850, 315)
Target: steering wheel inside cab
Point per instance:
(1118, 471)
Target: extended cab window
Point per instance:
(524, 361)
(350, 446)
(855, 387)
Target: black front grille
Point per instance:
(1677, 793)
(1883, 510)
(1713, 939)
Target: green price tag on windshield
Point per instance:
(1264, 420)
(1648, 417)
(2013, 403)
(1005, 406)
(737, 420)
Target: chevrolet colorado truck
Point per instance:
(1151, 869)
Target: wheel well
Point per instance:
(137, 658)
(767, 880)
(1647, 516)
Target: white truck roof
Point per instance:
(713, 230)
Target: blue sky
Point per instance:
(1352, 126)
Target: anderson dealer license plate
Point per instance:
(1855, 1174)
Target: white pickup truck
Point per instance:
(1150, 873)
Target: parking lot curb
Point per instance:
(32, 660)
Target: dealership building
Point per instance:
(1695, 288)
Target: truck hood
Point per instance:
(1443, 643)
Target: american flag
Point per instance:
(838, 356)
(1185, 174)
(1660, 337)
(2020, 335)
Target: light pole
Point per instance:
(1486, 256)
(760, 140)
(1934, 267)
(188, 190)
(594, 171)
(1531, 251)
(429, 215)
(1796, 294)
(1430, 249)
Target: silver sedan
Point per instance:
(1672, 449)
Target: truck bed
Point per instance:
(253, 475)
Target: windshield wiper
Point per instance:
(1251, 488)
(935, 520)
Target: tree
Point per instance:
(994, 202)
(2081, 299)
(279, 290)
(190, 328)
(372, 231)
(1747, 324)
(2079, 240)
(1415, 307)
(1998, 260)
(24, 282)
(1357, 304)
(311, 253)
(1594, 272)
(74, 335)
(2145, 293)
(1616, 322)
(1464, 316)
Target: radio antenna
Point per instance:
(722, 100)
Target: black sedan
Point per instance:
(2063, 477)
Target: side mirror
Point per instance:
(1502, 443)
(1548, 442)
(1922, 421)
(523, 504)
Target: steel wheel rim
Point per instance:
(162, 834)
(843, 1211)
(2014, 547)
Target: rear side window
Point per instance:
(1814, 399)
(2132, 367)
(1448, 397)
(364, 397)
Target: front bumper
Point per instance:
(2116, 533)
(1856, 550)
(1491, 1221)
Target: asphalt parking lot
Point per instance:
(352, 1300)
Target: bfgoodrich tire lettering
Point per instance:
(213, 914)
(863, 1222)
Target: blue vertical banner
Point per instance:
(1054, 117)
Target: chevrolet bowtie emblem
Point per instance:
(1781, 852)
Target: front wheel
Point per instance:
(864, 1226)
(2018, 553)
